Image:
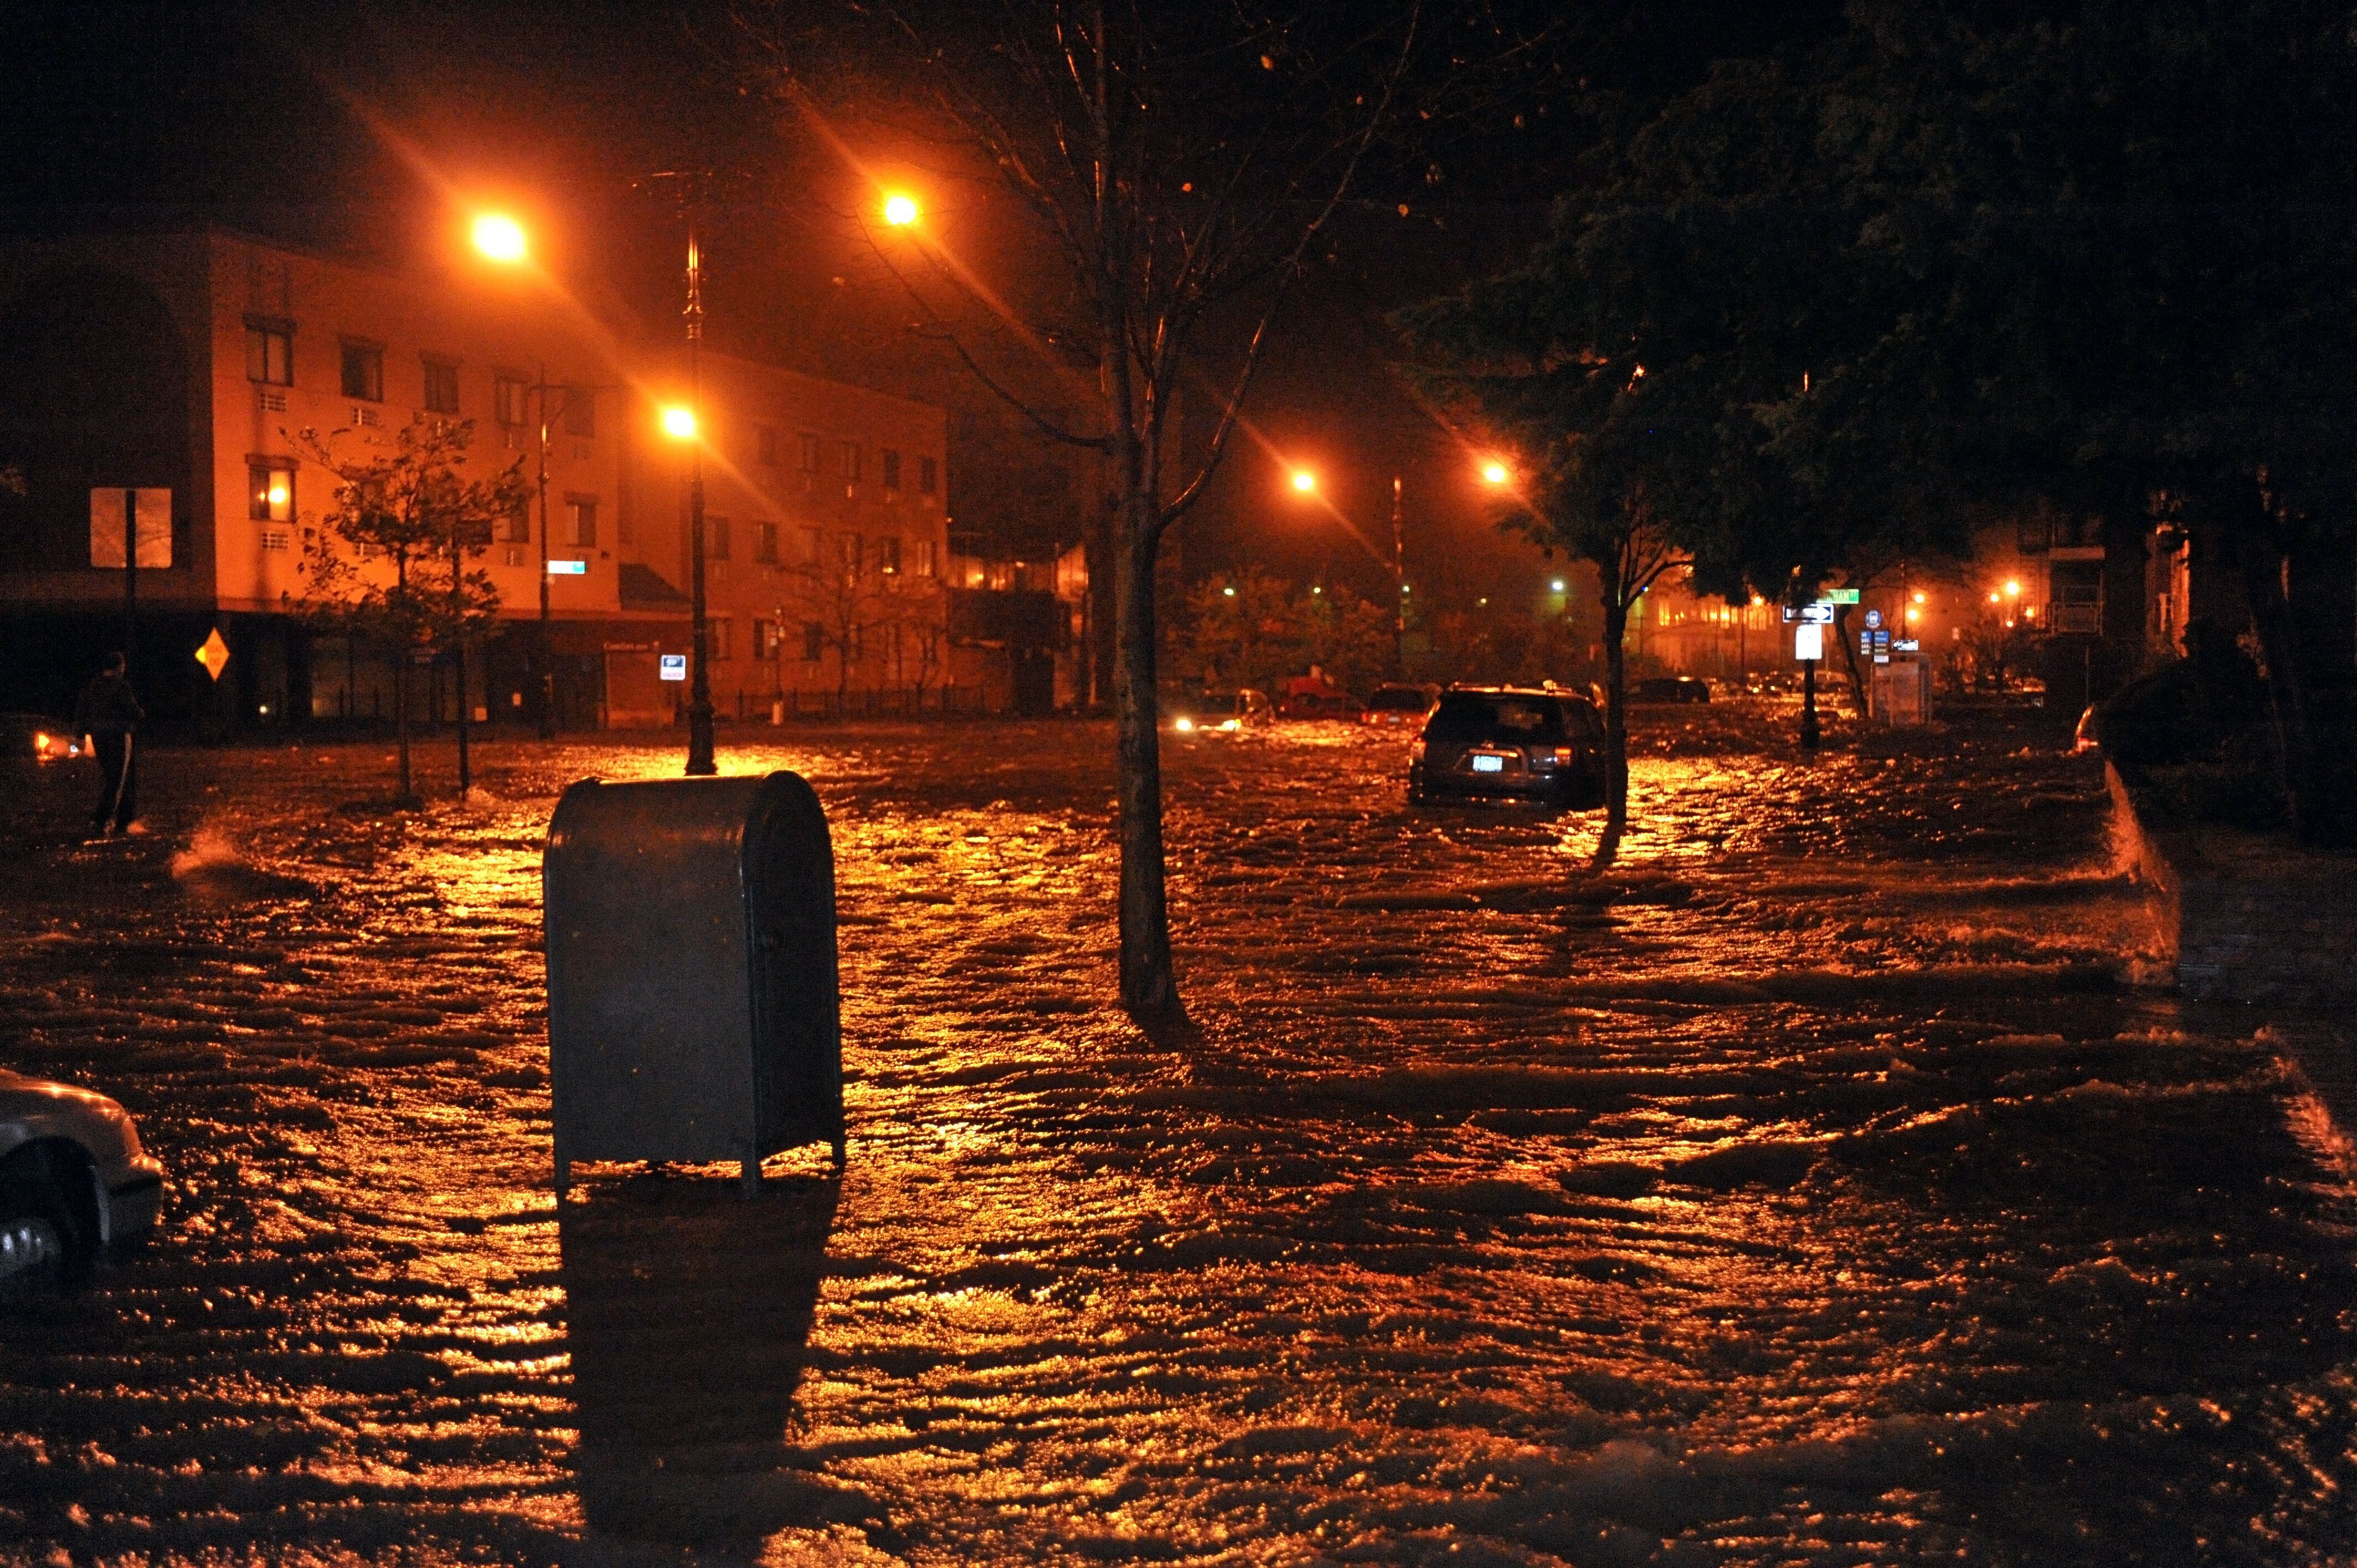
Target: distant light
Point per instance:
(1229, 592)
(1303, 479)
(1184, 727)
(265, 709)
(679, 421)
(1403, 587)
(2013, 590)
(1919, 599)
(2029, 612)
(1316, 589)
(901, 210)
(1558, 584)
(1481, 601)
(1228, 723)
(500, 237)
(1913, 613)
(1994, 597)
(1495, 473)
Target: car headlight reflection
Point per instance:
(1228, 723)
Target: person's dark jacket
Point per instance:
(107, 707)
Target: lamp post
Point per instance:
(699, 674)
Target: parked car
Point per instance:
(1671, 689)
(36, 737)
(73, 1179)
(1510, 743)
(1220, 712)
(1398, 704)
(1312, 696)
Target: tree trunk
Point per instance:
(401, 673)
(1616, 714)
(1849, 661)
(1149, 987)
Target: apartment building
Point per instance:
(212, 379)
(826, 536)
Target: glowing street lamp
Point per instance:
(1304, 480)
(1495, 473)
(901, 210)
(500, 237)
(679, 421)
(2013, 590)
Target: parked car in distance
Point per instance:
(1313, 696)
(1396, 703)
(1220, 712)
(1510, 743)
(36, 737)
(1671, 689)
(74, 1180)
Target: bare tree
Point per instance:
(1179, 164)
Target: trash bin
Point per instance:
(694, 1012)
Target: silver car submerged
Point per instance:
(73, 1179)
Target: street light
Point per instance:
(500, 237)
(679, 421)
(1495, 473)
(1304, 480)
(901, 210)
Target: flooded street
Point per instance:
(1824, 1183)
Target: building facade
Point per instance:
(215, 381)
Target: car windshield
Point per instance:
(1470, 716)
(1400, 699)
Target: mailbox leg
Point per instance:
(840, 1152)
(749, 1169)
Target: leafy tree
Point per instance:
(388, 561)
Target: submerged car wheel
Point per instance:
(46, 1235)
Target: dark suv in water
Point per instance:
(1510, 743)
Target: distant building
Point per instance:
(185, 370)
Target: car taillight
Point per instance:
(1563, 755)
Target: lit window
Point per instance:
(270, 492)
(925, 565)
(441, 387)
(508, 394)
(716, 538)
(364, 371)
(887, 554)
(891, 469)
(929, 475)
(580, 411)
(581, 511)
(270, 353)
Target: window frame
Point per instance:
(504, 383)
(929, 473)
(260, 331)
(366, 356)
(440, 373)
(259, 508)
(578, 509)
(891, 469)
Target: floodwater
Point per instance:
(1824, 1183)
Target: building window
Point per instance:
(518, 527)
(270, 492)
(364, 371)
(847, 554)
(765, 543)
(717, 637)
(765, 640)
(809, 454)
(580, 411)
(766, 437)
(887, 554)
(925, 565)
(814, 642)
(508, 393)
(581, 511)
(891, 469)
(270, 353)
(929, 475)
(851, 462)
(813, 549)
(716, 538)
(441, 386)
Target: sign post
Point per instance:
(1809, 648)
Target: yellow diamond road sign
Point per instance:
(214, 654)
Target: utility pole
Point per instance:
(1399, 576)
(699, 690)
(545, 655)
(130, 580)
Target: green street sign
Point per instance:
(1841, 595)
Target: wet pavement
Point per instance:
(1824, 1183)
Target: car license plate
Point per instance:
(1483, 763)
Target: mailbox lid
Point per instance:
(796, 997)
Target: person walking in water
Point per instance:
(108, 714)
